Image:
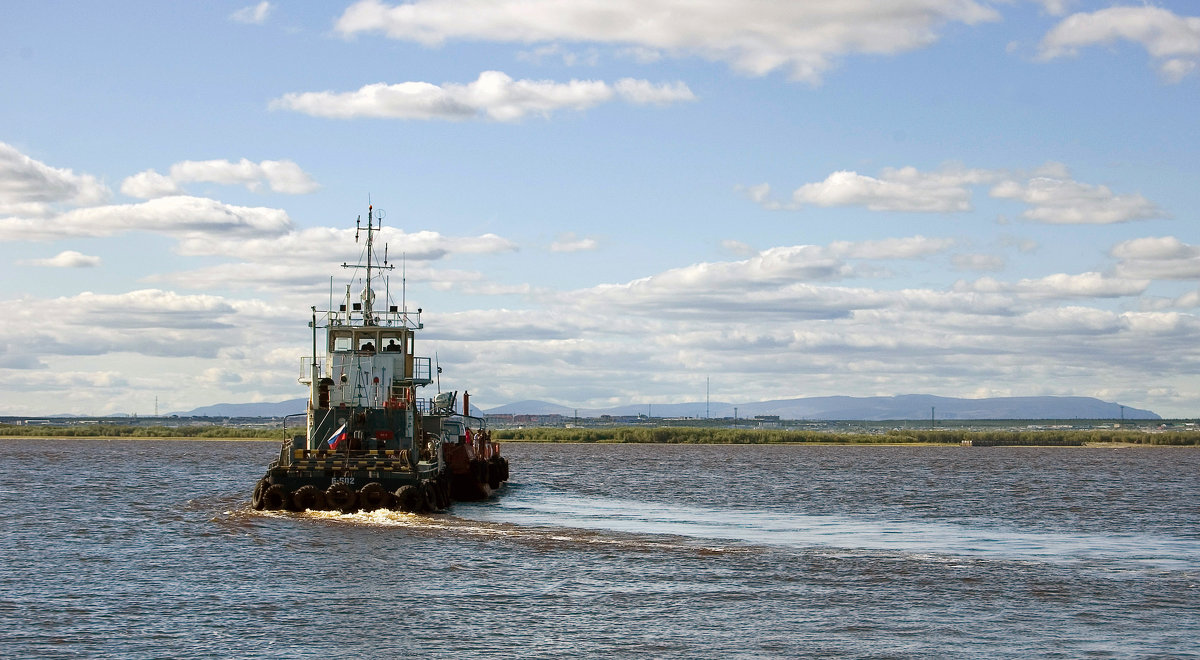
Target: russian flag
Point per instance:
(337, 437)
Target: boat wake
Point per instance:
(546, 519)
(799, 530)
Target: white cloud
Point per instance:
(759, 193)
(1053, 197)
(31, 188)
(905, 189)
(282, 176)
(1059, 201)
(494, 95)
(66, 259)
(569, 242)
(1171, 39)
(644, 92)
(143, 322)
(772, 282)
(1175, 70)
(589, 57)
(220, 376)
(979, 262)
(1021, 244)
(301, 260)
(754, 36)
(1190, 299)
(178, 215)
(737, 248)
(1165, 258)
(254, 14)
(913, 247)
(321, 244)
(1055, 7)
(149, 184)
(1061, 286)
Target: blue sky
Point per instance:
(606, 203)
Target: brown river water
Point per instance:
(150, 549)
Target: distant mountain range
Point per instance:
(903, 407)
(281, 409)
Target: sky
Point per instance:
(605, 203)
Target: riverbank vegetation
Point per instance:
(130, 431)
(683, 435)
(668, 435)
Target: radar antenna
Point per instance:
(371, 228)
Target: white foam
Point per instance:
(761, 527)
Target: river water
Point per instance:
(150, 549)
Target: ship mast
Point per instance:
(368, 294)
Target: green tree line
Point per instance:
(689, 435)
(672, 435)
(130, 431)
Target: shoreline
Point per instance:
(832, 443)
(136, 437)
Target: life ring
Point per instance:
(256, 500)
(374, 496)
(275, 497)
(340, 497)
(308, 498)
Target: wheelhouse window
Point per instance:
(342, 343)
(391, 343)
(368, 342)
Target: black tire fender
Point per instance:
(256, 500)
(432, 501)
(309, 497)
(374, 496)
(341, 497)
(275, 497)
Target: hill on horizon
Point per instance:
(901, 407)
(874, 408)
(266, 409)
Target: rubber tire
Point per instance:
(433, 504)
(374, 496)
(275, 497)
(420, 499)
(400, 499)
(494, 473)
(340, 497)
(443, 490)
(256, 499)
(309, 497)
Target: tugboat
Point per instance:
(372, 441)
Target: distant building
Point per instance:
(767, 421)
